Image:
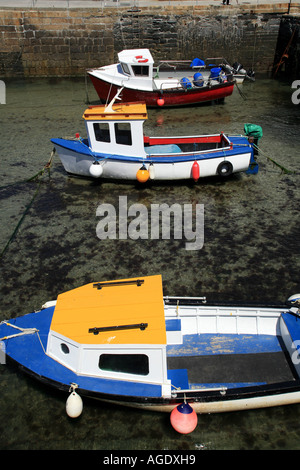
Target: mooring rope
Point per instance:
(35, 177)
(23, 331)
(242, 94)
(283, 169)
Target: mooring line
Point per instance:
(283, 169)
(35, 177)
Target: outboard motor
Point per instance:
(293, 300)
(294, 303)
(237, 67)
(254, 133)
(251, 74)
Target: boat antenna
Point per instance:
(108, 108)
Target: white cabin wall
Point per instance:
(134, 150)
(55, 350)
(89, 364)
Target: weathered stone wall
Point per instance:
(287, 56)
(65, 42)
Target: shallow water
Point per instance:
(251, 251)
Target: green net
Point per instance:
(253, 130)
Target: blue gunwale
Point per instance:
(81, 148)
(27, 351)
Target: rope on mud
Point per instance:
(283, 169)
(242, 94)
(35, 177)
(40, 173)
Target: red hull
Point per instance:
(106, 92)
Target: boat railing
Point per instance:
(170, 299)
(187, 392)
(221, 60)
(173, 63)
(166, 85)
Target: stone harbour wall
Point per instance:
(55, 42)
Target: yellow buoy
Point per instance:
(142, 174)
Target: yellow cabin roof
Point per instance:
(121, 111)
(124, 303)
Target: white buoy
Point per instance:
(74, 405)
(96, 170)
(151, 171)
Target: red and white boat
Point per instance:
(170, 83)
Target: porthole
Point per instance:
(65, 349)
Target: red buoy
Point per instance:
(160, 101)
(195, 171)
(184, 419)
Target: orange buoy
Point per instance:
(142, 174)
(160, 101)
(184, 419)
(195, 171)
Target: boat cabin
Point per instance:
(116, 129)
(113, 330)
(137, 64)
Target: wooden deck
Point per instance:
(228, 360)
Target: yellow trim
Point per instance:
(121, 111)
(87, 307)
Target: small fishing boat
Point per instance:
(117, 148)
(170, 83)
(125, 343)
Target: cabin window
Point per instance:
(123, 133)
(127, 363)
(141, 70)
(65, 349)
(101, 130)
(125, 69)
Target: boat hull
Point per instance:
(219, 406)
(172, 97)
(166, 168)
(28, 352)
(204, 402)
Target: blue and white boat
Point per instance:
(124, 342)
(116, 148)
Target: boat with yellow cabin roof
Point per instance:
(126, 343)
